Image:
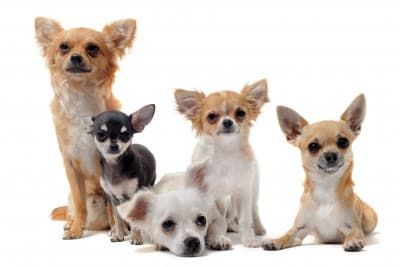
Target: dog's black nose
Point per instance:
(331, 157)
(192, 245)
(76, 59)
(227, 123)
(114, 147)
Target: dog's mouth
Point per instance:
(331, 169)
(78, 69)
(230, 131)
(192, 252)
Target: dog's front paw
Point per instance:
(272, 244)
(219, 243)
(137, 241)
(136, 237)
(75, 231)
(117, 235)
(72, 234)
(355, 244)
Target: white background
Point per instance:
(317, 57)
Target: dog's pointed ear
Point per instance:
(189, 102)
(120, 35)
(355, 114)
(256, 96)
(194, 175)
(291, 123)
(136, 211)
(142, 117)
(46, 30)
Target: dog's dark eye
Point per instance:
(313, 147)
(212, 117)
(240, 114)
(124, 136)
(64, 47)
(201, 221)
(92, 50)
(343, 142)
(168, 225)
(101, 136)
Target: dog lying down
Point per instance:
(176, 214)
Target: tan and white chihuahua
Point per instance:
(222, 121)
(82, 64)
(329, 207)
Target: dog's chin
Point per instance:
(191, 254)
(111, 157)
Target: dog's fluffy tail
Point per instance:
(59, 214)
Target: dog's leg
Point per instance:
(231, 216)
(354, 235)
(67, 225)
(245, 214)
(119, 230)
(216, 238)
(78, 194)
(363, 221)
(369, 218)
(294, 236)
(68, 222)
(258, 227)
(110, 215)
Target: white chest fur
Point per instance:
(229, 170)
(329, 215)
(80, 105)
(327, 221)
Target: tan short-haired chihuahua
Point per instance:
(82, 64)
(329, 207)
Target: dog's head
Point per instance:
(82, 57)
(176, 220)
(113, 130)
(325, 146)
(223, 114)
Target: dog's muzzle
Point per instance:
(77, 65)
(330, 162)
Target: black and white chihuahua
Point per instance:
(125, 167)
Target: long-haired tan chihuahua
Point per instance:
(329, 207)
(82, 65)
